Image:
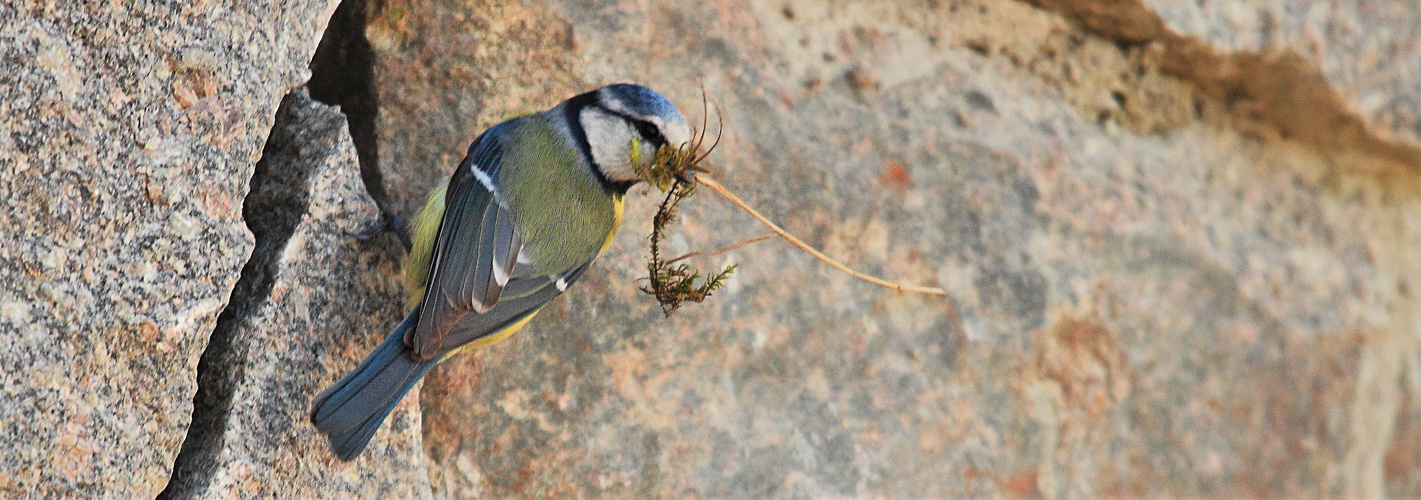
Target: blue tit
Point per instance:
(534, 202)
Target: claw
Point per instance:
(401, 231)
(388, 222)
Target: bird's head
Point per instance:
(624, 125)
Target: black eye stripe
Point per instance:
(643, 127)
(649, 131)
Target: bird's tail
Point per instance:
(351, 410)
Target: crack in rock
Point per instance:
(272, 209)
(343, 74)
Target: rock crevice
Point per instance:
(1135, 216)
(273, 208)
(342, 74)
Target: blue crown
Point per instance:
(641, 100)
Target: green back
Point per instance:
(559, 207)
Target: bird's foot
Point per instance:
(388, 222)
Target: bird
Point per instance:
(535, 200)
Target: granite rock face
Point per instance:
(314, 294)
(128, 133)
(1167, 278)
(1366, 50)
(1158, 289)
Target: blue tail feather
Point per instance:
(352, 409)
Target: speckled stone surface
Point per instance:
(1150, 301)
(1370, 50)
(329, 293)
(1150, 295)
(128, 132)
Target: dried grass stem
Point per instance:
(706, 181)
(722, 250)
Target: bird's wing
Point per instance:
(512, 308)
(475, 285)
(474, 252)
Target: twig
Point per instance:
(715, 186)
(723, 250)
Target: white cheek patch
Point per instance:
(609, 137)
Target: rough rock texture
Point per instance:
(1160, 290)
(315, 295)
(1280, 89)
(1179, 242)
(128, 133)
(1369, 51)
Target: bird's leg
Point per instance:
(388, 222)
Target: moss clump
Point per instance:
(673, 171)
